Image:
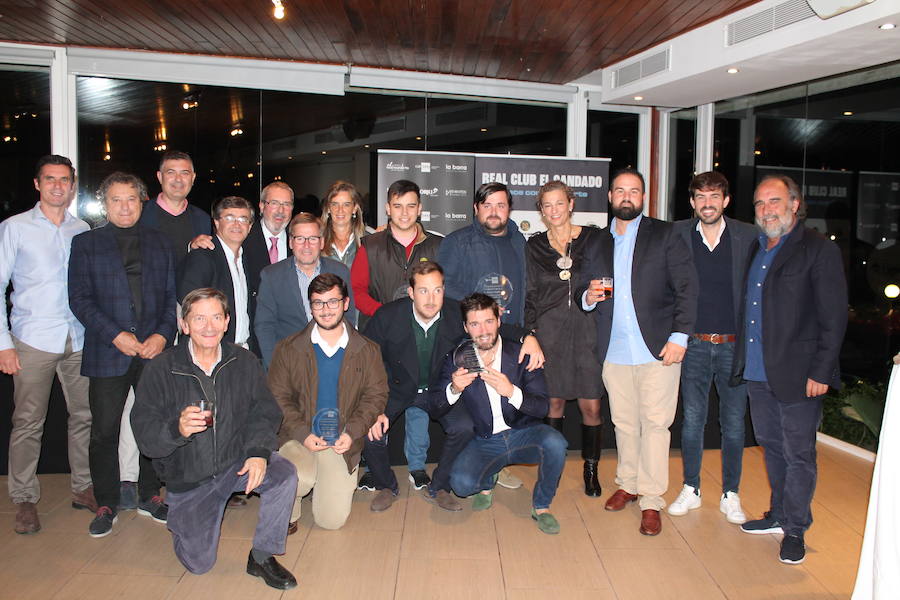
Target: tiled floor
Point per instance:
(415, 550)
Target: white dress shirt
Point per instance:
(282, 240)
(239, 311)
(329, 350)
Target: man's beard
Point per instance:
(626, 213)
(493, 229)
(329, 327)
(709, 220)
(487, 345)
(776, 231)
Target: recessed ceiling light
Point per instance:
(638, 98)
(278, 10)
(887, 26)
(418, 137)
(732, 70)
(324, 152)
(483, 129)
(847, 113)
(757, 152)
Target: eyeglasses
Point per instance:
(280, 204)
(233, 219)
(320, 304)
(313, 239)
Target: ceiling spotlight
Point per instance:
(892, 290)
(236, 130)
(160, 147)
(757, 152)
(732, 70)
(106, 157)
(484, 130)
(249, 175)
(638, 98)
(324, 152)
(848, 113)
(190, 101)
(887, 26)
(278, 11)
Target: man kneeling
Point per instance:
(506, 403)
(205, 453)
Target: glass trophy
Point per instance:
(326, 425)
(496, 286)
(466, 357)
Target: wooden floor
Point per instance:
(416, 551)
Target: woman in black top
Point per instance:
(568, 335)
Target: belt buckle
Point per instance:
(715, 338)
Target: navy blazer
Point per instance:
(663, 284)
(203, 268)
(279, 306)
(804, 315)
(256, 253)
(535, 399)
(100, 298)
(743, 237)
(391, 328)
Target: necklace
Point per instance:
(564, 263)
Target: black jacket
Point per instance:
(391, 328)
(246, 415)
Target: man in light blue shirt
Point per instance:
(642, 331)
(43, 338)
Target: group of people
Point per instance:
(275, 354)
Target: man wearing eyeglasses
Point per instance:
(224, 267)
(267, 242)
(282, 306)
(328, 365)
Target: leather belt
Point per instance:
(715, 338)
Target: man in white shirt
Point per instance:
(224, 267)
(43, 338)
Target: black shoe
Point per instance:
(591, 484)
(590, 452)
(761, 526)
(367, 482)
(271, 572)
(793, 550)
(154, 508)
(419, 479)
(103, 523)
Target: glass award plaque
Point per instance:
(466, 357)
(326, 425)
(496, 286)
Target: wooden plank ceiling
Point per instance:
(551, 41)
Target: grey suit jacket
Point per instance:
(743, 236)
(279, 306)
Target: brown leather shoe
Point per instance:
(618, 500)
(650, 522)
(292, 527)
(382, 500)
(27, 518)
(84, 500)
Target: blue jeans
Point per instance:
(703, 363)
(415, 446)
(786, 429)
(483, 458)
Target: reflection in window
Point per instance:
(682, 138)
(613, 135)
(24, 134)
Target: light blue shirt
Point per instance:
(34, 255)
(626, 343)
(304, 282)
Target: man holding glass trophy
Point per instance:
(330, 382)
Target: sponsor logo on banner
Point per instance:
(429, 192)
(456, 216)
(456, 168)
(456, 193)
(426, 216)
(396, 167)
(425, 167)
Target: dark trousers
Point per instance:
(786, 429)
(195, 516)
(458, 429)
(107, 396)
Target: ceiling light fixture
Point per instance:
(190, 101)
(638, 98)
(278, 11)
(236, 130)
(848, 113)
(733, 70)
(886, 26)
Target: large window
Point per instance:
(682, 138)
(613, 135)
(242, 139)
(24, 134)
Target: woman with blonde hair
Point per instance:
(343, 218)
(554, 260)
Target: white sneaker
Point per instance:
(730, 505)
(688, 499)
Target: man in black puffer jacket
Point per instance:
(206, 452)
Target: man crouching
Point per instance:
(203, 413)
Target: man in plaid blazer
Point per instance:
(122, 289)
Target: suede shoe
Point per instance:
(128, 495)
(382, 500)
(419, 479)
(103, 523)
(27, 518)
(84, 500)
(367, 482)
(546, 522)
(506, 479)
(154, 508)
(793, 550)
(761, 526)
(618, 500)
(271, 572)
(444, 499)
(651, 524)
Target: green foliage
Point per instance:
(854, 414)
